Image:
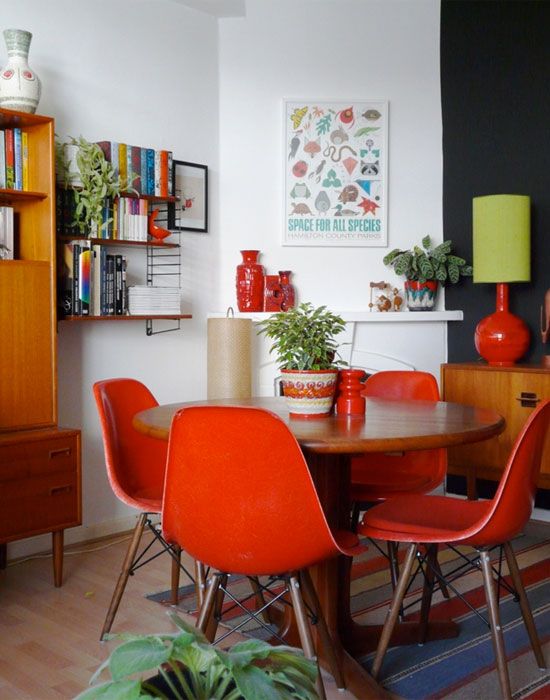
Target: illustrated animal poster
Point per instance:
(336, 159)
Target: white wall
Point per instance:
(158, 74)
(364, 49)
(145, 73)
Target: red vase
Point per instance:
(350, 400)
(289, 295)
(250, 282)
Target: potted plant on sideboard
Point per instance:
(185, 666)
(304, 341)
(424, 269)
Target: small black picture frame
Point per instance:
(190, 186)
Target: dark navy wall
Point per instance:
(495, 84)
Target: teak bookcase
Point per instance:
(511, 391)
(39, 463)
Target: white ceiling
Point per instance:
(217, 8)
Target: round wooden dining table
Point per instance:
(328, 443)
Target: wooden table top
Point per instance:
(387, 425)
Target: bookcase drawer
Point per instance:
(39, 504)
(28, 459)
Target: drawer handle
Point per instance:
(528, 399)
(58, 453)
(58, 490)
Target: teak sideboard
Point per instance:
(511, 391)
(39, 463)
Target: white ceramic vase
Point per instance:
(20, 87)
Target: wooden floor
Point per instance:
(49, 637)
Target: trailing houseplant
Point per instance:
(424, 268)
(304, 342)
(92, 183)
(188, 667)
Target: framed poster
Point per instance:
(336, 162)
(190, 185)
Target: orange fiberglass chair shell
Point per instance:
(376, 477)
(239, 497)
(483, 525)
(136, 465)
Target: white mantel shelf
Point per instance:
(371, 316)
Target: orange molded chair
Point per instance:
(136, 465)
(376, 477)
(239, 497)
(433, 520)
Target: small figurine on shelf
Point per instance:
(157, 232)
(397, 299)
(289, 294)
(383, 303)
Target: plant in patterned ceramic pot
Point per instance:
(424, 269)
(304, 342)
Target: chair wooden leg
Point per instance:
(175, 574)
(393, 554)
(496, 629)
(442, 585)
(207, 607)
(124, 573)
(303, 628)
(200, 583)
(524, 605)
(427, 592)
(393, 610)
(326, 640)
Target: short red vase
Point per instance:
(289, 295)
(250, 282)
(350, 401)
(502, 338)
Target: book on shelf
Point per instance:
(84, 278)
(2, 160)
(17, 160)
(10, 159)
(25, 159)
(6, 234)
(143, 300)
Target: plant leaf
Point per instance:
(114, 690)
(137, 656)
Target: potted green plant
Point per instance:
(424, 269)
(304, 341)
(188, 667)
(83, 170)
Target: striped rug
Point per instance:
(461, 668)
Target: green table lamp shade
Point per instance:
(502, 254)
(502, 238)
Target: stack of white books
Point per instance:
(156, 301)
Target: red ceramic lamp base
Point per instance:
(502, 338)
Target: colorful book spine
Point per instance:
(17, 160)
(76, 297)
(67, 280)
(118, 285)
(10, 160)
(25, 154)
(109, 284)
(84, 282)
(170, 174)
(2, 160)
(143, 166)
(123, 164)
(150, 171)
(157, 174)
(164, 173)
(136, 168)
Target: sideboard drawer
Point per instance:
(36, 458)
(39, 482)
